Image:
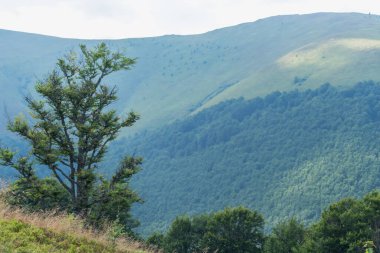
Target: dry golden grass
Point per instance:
(62, 223)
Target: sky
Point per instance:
(113, 19)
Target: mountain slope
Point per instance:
(49, 232)
(309, 50)
(16, 236)
(178, 75)
(288, 154)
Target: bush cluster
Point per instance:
(349, 225)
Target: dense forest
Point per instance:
(287, 154)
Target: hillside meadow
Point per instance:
(47, 232)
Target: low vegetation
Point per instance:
(43, 232)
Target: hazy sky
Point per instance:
(141, 18)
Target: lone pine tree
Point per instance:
(68, 131)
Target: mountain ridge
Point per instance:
(183, 35)
(196, 68)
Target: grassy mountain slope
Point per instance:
(46, 232)
(286, 154)
(16, 236)
(310, 50)
(177, 75)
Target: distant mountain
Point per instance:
(176, 76)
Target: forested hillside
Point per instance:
(287, 154)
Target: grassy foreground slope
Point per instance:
(16, 236)
(287, 154)
(22, 232)
(177, 75)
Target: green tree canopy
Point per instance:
(348, 225)
(231, 230)
(236, 230)
(286, 237)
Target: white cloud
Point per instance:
(140, 18)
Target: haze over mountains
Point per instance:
(178, 75)
(241, 151)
